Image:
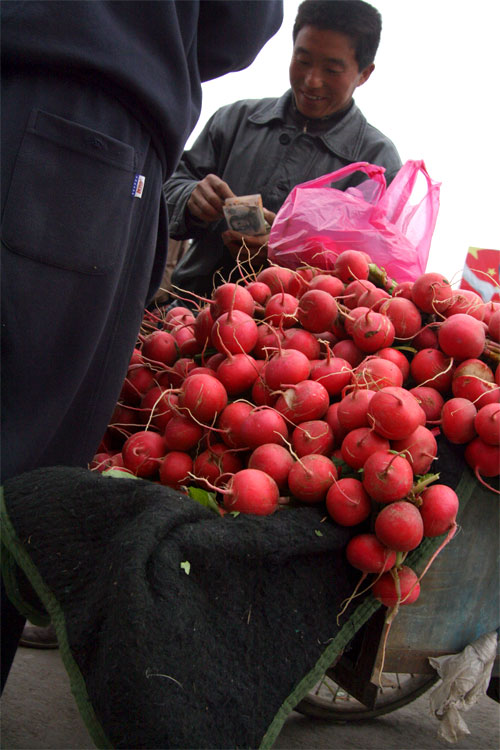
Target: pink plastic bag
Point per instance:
(317, 222)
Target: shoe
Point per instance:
(38, 637)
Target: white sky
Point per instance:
(434, 92)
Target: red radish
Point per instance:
(234, 332)
(228, 297)
(327, 283)
(377, 372)
(439, 509)
(494, 326)
(268, 340)
(160, 346)
(274, 460)
(373, 298)
(463, 301)
(214, 360)
(237, 373)
(231, 420)
(103, 461)
(405, 316)
(351, 265)
(483, 458)
(462, 337)
(334, 373)
(353, 292)
(202, 326)
(139, 379)
(259, 291)
(426, 339)
(251, 491)
(215, 462)
(175, 469)
(203, 397)
(316, 311)
(315, 436)
(395, 413)
(182, 433)
(310, 478)
(387, 476)
(303, 341)
(304, 401)
(457, 420)
(136, 357)
(287, 367)
(347, 502)
(487, 423)
(386, 590)
(398, 358)
(432, 293)
(474, 380)
(124, 421)
(277, 278)
(261, 394)
(348, 350)
(300, 281)
(352, 409)
(430, 400)
(359, 444)
(178, 316)
(179, 372)
(186, 341)
(353, 317)
(419, 448)
(263, 425)
(281, 309)
(403, 289)
(142, 452)
(399, 526)
(365, 552)
(432, 367)
(159, 406)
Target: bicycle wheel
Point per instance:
(329, 701)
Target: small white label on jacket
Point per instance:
(138, 186)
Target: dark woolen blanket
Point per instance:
(178, 628)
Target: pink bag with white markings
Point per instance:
(317, 222)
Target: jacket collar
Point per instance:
(342, 139)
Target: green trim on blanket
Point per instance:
(361, 615)
(14, 552)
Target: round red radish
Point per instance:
(433, 368)
(310, 478)
(302, 402)
(202, 326)
(300, 281)
(395, 413)
(426, 339)
(462, 337)
(396, 357)
(234, 332)
(274, 460)
(182, 433)
(352, 409)
(347, 502)
(463, 301)
(487, 423)
(316, 310)
(376, 372)
(203, 397)
(353, 292)
(430, 400)
(251, 491)
(237, 373)
(405, 316)
(347, 350)
(215, 463)
(457, 420)
(231, 420)
(327, 283)
(314, 436)
(474, 380)
(160, 346)
(399, 526)
(432, 293)
(483, 458)
(259, 291)
(359, 444)
(286, 368)
(334, 373)
(303, 341)
(281, 310)
(159, 405)
(385, 590)
(142, 452)
(351, 265)
(263, 425)
(331, 417)
(277, 278)
(387, 477)
(228, 297)
(138, 381)
(419, 448)
(175, 469)
(494, 326)
(365, 552)
(439, 509)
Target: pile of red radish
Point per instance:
(310, 386)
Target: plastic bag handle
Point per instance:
(374, 171)
(408, 176)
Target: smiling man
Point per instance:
(268, 146)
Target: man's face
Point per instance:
(324, 72)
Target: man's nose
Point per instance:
(314, 79)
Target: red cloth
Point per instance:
(481, 273)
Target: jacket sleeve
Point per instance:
(231, 34)
(195, 164)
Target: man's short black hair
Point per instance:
(354, 18)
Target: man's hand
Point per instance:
(244, 247)
(206, 200)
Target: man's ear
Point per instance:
(365, 74)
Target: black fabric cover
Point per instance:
(175, 655)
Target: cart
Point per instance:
(447, 616)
